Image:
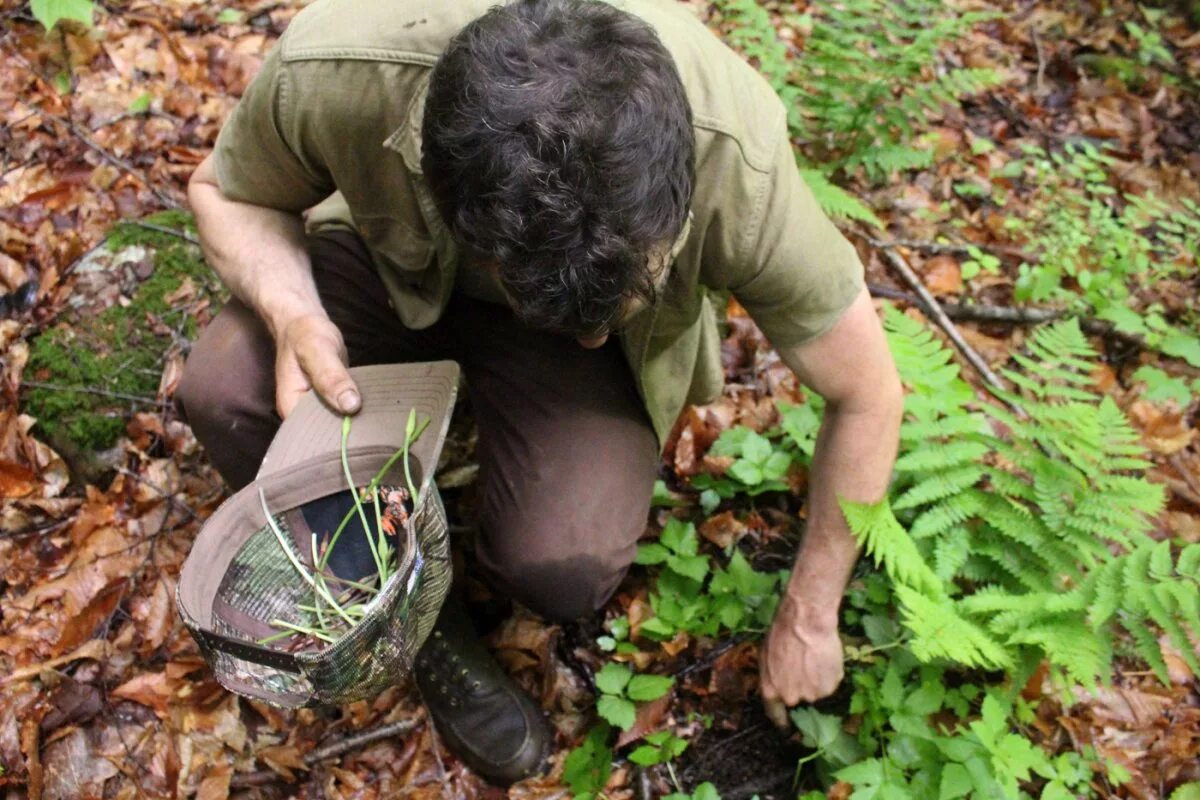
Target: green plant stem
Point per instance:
(293, 628)
(287, 551)
(276, 637)
(317, 576)
(362, 515)
(371, 486)
(352, 584)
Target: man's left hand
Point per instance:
(801, 659)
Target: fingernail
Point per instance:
(348, 400)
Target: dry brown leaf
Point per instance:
(79, 627)
(155, 615)
(151, 689)
(942, 275)
(723, 529)
(215, 785)
(93, 648)
(16, 480)
(74, 769)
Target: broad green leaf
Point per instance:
(1181, 345)
(756, 448)
(646, 755)
(229, 16)
(1188, 791)
(706, 791)
(776, 465)
(865, 773)
(680, 537)
(617, 710)
(587, 767)
(643, 688)
(651, 553)
(613, 678)
(658, 628)
(746, 471)
(956, 782)
(49, 12)
(694, 567)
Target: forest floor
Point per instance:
(103, 693)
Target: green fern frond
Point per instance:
(1080, 652)
(884, 539)
(952, 454)
(939, 632)
(940, 485)
(953, 511)
(836, 201)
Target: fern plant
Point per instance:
(863, 88)
(1034, 541)
(1093, 248)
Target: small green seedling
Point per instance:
(621, 691)
(587, 768)
(659, 748)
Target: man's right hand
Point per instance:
(310, 354)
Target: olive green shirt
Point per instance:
(333, 120)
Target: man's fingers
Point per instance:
(323, 364)
(776, 712)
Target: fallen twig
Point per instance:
(935, 312)
(970, 312)
(54, 387)
(150, 226)
(332, 750)
(938, 248)
(119, 163)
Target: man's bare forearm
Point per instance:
(853, 459)
(852, 368)
(258, 252)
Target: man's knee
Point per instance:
(229, 373)
(560, 583)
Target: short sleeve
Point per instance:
(258, 156)
(795, 272)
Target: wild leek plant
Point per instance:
(338, 603)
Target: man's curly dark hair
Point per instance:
(558, 144)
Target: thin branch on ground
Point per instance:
(55, 387)
(939, 248)
(150, 226)
(1010, 315)
(119, 163)
(171, 499)
(935, 312)
(1040, 80)
(332, 750)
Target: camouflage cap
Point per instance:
(238, 578)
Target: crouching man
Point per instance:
(545, 192)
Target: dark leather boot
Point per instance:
(482, 715)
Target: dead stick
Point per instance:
(119, 163)
(150, 226)
(338, 748)
(402, 728)
(934, 310)
(938, 248)
(54, 387)
(969, 312)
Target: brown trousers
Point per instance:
(566, 453)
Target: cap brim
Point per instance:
(389, 392)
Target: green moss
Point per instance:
(116, 354)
